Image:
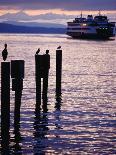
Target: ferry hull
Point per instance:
(89, 35)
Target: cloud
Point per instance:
(59, 4)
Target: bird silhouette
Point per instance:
(4, 52)
(38, 51)
(59, 47)
(47, 51)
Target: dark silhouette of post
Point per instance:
(44, 106)
(58, 71)
(40, 129)
(17, 75)
(5, 105)
(42, 66)
(46, 67)
(58, 112)
(38, 76)
(17, 139)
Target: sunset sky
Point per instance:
(34, 7)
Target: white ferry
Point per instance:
(91, 27)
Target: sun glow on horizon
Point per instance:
(57, 11)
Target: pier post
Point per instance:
(38, 76)
(42, 65)
(58, 71)
(5, 104)
(46, 67)
(17, 75)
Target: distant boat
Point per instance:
(91, 27)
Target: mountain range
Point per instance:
(23, 23)
(44, 20)
(23, 16)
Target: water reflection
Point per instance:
(5, 139)
(58, 111)
(9, 145)
(41, 127)
(17, 139)
(85, 122)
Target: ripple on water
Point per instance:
(82, 121)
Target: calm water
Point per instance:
(83, 120)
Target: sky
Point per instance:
(55, 6)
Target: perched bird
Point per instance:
(47, 51)
(38, 51)
(4, 52)
(59, 47)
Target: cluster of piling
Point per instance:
(42, 66)
(15, 70)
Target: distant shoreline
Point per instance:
(9, 28)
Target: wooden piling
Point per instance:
(58, 71)
(17, 75)
(5, 103)
(38, 76)
(46, 67)
(42, 66)
(18, 95)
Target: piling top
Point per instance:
(5, 63)
(58, 53)
(5, 66)
(17, 69)
(18, 61)
(5, 69)
(59, 50)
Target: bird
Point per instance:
(38, 51)
(47, 51)
(59, 47)
(4, 52)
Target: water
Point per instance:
(83, 120)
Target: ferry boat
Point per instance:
(91, 27)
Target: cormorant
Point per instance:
(47, 51)
(4, 52)
(38, 51)
(59, 47)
